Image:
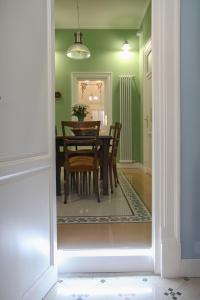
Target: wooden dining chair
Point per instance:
(78, 163)
(115, 131)
(81, 128)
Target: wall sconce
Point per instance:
(125, 46)
(125, 53)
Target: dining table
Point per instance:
(104, 141)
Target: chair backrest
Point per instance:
(115, 131)
(76, 125)
(79, 150)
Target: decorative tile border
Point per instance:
(137, 205)
(139, 210)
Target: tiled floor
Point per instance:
(112, 205)
(125, 287)
(137, 235)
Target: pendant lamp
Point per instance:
(78, 50)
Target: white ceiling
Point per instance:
(102, 14)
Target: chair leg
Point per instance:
(73, 182)
(81, 183)
(115, 175)
(89, 182)
(77, 183)
(96, 184)
(110, 175)
(66, 186)
(85, 183)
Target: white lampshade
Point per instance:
(78, 50)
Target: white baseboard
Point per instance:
(173, 265)
(132, 165)
(147, 170)
(170, 258)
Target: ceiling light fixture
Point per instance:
(78, 50)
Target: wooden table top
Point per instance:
(81, 137)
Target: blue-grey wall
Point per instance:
(190, 127)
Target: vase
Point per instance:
(80, 118)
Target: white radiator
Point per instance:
(126, 90)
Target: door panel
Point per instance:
(27, 185)
(23, 80)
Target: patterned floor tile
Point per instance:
(123, 288)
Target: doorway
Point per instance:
(124, 230)
(162, 119)
(94, 89)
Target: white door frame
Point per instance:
(106, 76)
(146, 117)
(166, 142)
(166, 136)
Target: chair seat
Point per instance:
(82, 163)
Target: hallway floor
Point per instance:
(124, 287)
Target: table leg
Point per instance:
(58, 183)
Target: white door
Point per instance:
(95, 90)
(147, 108)
(27, 189)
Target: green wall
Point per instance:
(145, 27)
(145, 35)
(105, 46)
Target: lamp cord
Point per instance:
(78, 15)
